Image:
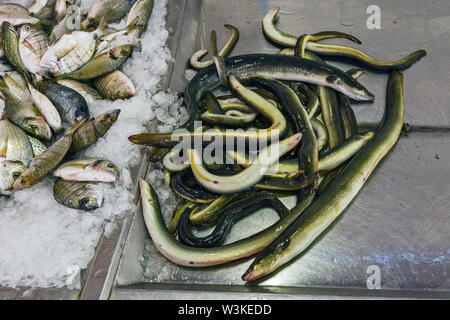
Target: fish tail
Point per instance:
(101, 27)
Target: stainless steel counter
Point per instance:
(400, 219)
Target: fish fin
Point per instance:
(101, 27)
(355, 73)
(29, 46)
(87, 23)
(75, 127)
(44, 22)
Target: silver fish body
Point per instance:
(42, 9)
(33, 43)
(16, 14)
(64, 26)
(2, 52)
(19, 108)
(88, 169)
(68, 53)
(46, 108)
(45, 163)
(10, 43)
(88, 93)
(14, 143)
(115, 85)
(139, 16)
(85, 196)
(10, 170)
(60, 10)
(111, 10)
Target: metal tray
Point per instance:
(399, 221)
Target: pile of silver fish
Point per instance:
(54, 61)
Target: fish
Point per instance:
(70, 52)
(5, 67)
(46, 108)
(111, 10)
(120, 37)
(42, 9)
(42, 165)
(88, 93)
(115, 85)
(19, 108)
(10, 170)
(37, 146)
(88, 169)
(66, 25)
(2, 51)
(14, 143)
(139, 16)
(16, 14)
(37, 6)
(85, 196)
(33, 43)
(60, 10)
(92, 130)
(101, 64)
(10, 43)
(70, 104)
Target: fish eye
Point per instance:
(107, 116)
(123, 52)
(84, 201)
(27, 27)
(15, 175)
(33, 126)
(111, 166)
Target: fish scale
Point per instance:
(16, 14)
(71, 61)
(77, 195)
(139, 16)
(115, 85)
(111, 10)
(10, 42)
(101, 64)
(14, 143)
(92, 130)
(33, 43)
(69, 53)
(46, 162)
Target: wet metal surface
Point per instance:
(400, 219)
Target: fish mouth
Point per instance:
(89, 203)
(371, 96)
(114, 114)
(18, 185)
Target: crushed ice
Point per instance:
(44, 244)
